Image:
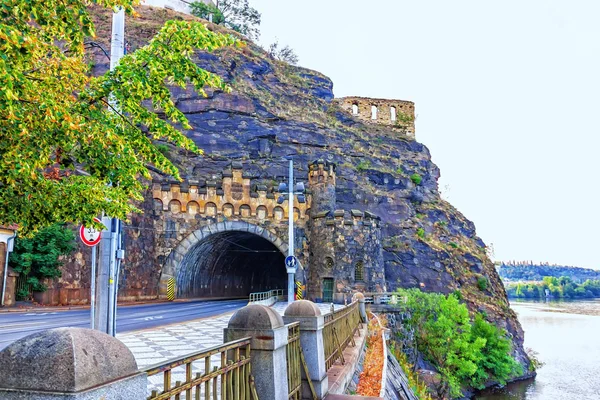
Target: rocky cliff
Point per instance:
(276, 110)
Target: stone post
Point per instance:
(70, 363)
(311, 341)
(268, 347)
(361, 305)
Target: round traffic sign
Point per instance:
(90, 236)
(291, 261)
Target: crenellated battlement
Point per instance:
(233, 195)
(398, 114)
(346, 218)
(321, 171)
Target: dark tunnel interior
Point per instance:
(231, 264)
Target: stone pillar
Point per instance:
(11, 288)
(361, 305)
(311, 341)
(268, 347)
(70, 363)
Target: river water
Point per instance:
(566, 335)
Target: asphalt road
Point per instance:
(15, 325)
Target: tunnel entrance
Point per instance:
(231, 264)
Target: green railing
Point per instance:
(338, 332)
(230, 378)
(296, 363)
(267, 298)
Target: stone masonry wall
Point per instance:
(361, 107)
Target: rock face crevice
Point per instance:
(276, 110)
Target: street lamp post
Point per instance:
(291, 271)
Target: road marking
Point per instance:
(150, 318)
(37, 314)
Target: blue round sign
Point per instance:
(291, 262)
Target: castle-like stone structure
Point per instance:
(399, 114)
(339, 250)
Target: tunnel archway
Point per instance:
(227, 260)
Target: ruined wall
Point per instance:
(399, 114)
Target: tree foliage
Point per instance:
(561, 287)
(285, 53)
(38, 257)
(234, 14)
(465, 352)
(66, 153)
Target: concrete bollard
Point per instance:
(268, 347)
(361, 305)
(311, 341)
(70, 363)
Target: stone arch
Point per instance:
(393, 114)
(210, 209)
(355, 109)
(158, 205)
(245, 210)
(278, 213)
(182, 256)
(193, 208)
(175, 206)
(228, 209)
(262, 212)
(296, 214)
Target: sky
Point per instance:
(507, 100)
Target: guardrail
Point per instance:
(267, 298)
(231, 379)
(338, 332)
(383, 298)
(295, 364)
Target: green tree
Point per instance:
(67, 153)
(234, 14)
(494, 361)
(285, 53)
(38, 257)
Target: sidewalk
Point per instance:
(157, 345)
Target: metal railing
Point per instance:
(338, 332)
(267, 298)
(295, 364)
(230, 378)
(383, 298)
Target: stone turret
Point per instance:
(321, 180)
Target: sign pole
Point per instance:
(93, 290)
(291, 271)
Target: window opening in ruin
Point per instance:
(355, 109)
(359, 273)
(393, 113)
(373, 112)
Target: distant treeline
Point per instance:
(528, 271)
(561, 287)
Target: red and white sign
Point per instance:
(90, 236)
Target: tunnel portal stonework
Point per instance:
(203, 228)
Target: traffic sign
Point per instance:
(291, 262)
(90, 236)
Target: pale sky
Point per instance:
(507, 96)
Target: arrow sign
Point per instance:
(90, 236)
(291, 262)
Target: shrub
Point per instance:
(416, 179)
(465, 352)
(38, 257)
(482, 283)
(363, 165)
(421, 233)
